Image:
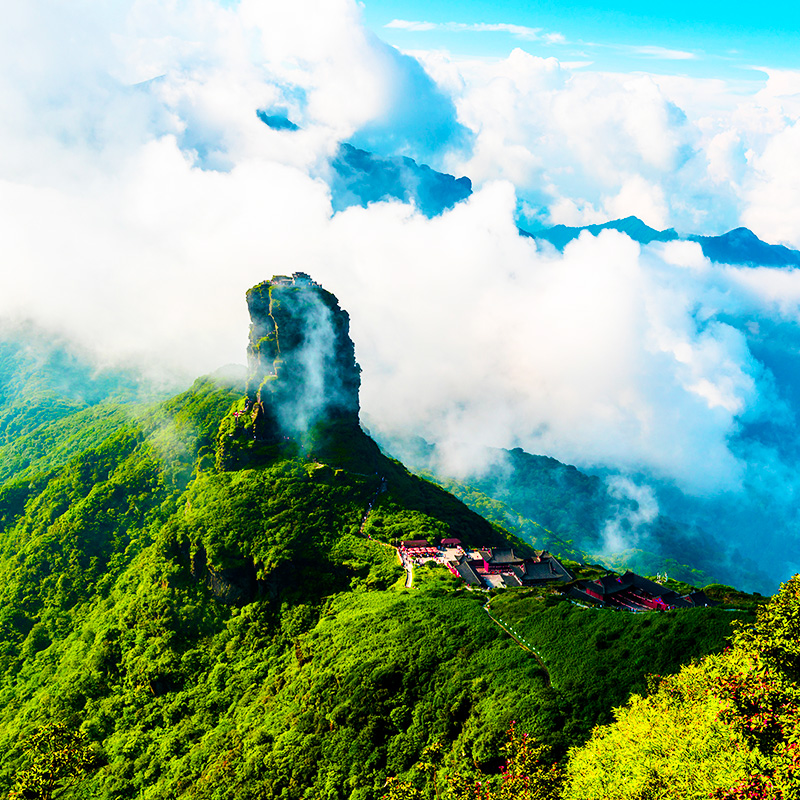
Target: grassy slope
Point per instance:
(597, 657)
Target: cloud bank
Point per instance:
(582, 147)
(141, 195)
(520, 31)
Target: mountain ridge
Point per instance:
(737, 246)
(359, 178)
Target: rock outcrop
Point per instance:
(302, 370)
(302, 382)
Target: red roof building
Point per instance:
(418, 547)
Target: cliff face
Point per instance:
(302, 371)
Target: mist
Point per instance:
(141, 195)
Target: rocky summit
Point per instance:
(302, 371)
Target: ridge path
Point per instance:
(407, 565)
(520, 641)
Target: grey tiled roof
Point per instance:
(578, 594)
(700, 598)
(504, 556)
(465, 570)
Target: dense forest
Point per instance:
(189, 608)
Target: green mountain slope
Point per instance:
(725, 728)
(555, 506)
(156, 618)
(193, 593)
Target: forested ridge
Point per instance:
(174, 626)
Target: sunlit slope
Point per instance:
(228, 633)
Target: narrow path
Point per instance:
(408, 566)
(521, 642)
(378, 492)
(409, 571)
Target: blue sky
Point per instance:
(702, 39)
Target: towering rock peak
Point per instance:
(302, 371)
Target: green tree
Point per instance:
(58, 756)
(727, 728)
(673, 745)
(527, 774)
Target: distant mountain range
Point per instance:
(739, 246)
(359, 178)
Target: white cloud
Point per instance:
(622, 530)
(596, 357)
(772, 188)
(774, 290)
(653, 51)
(518, 31)
(136, 216)
(638, 198)
(572, 138)
(411, 25)
(712, 152)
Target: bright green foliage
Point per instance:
(50, 445)
(426, 767)
(415, 508)
(395, 789)
(220, 629)
(224, 633)
(597, 658)
(727, 727)
(278, 514)
(763, 697)
(55, 402)
(57, 757)
(322, 702)
(184, 429)
(66, 533)
(526, 774)
(673, 746)
(776, 635)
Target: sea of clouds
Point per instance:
(140, 196)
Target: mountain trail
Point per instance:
(520, 641)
